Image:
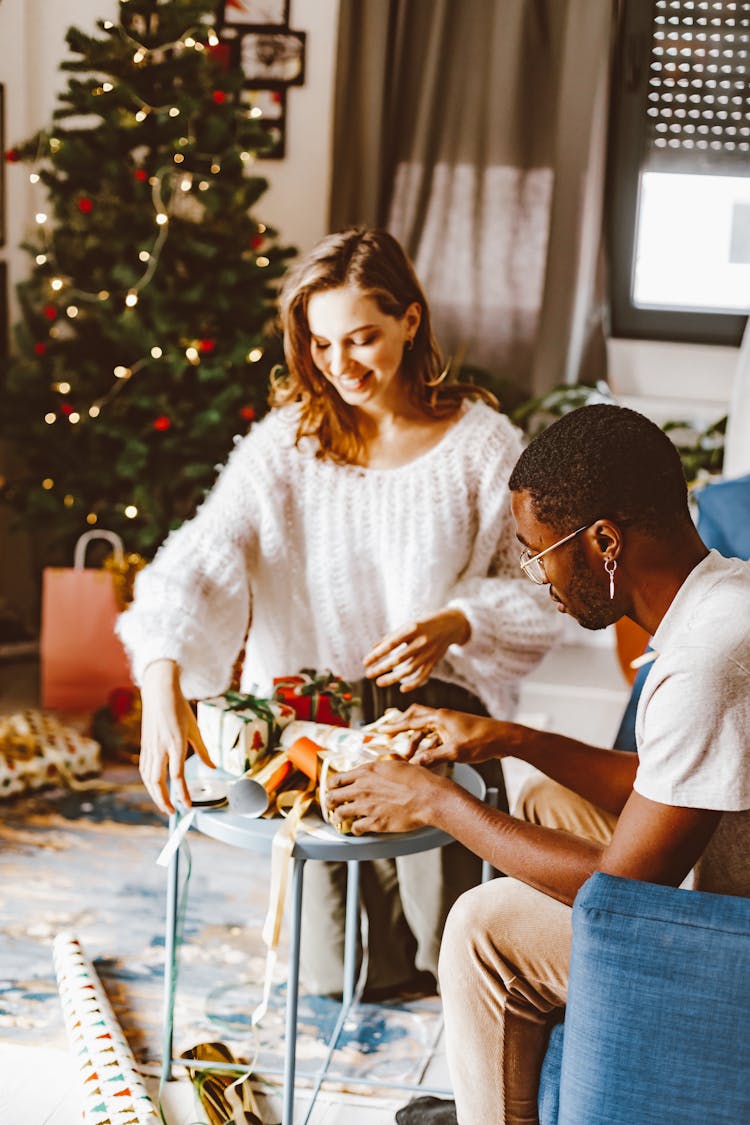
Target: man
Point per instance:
(600, 505)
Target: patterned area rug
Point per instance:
(86, 863)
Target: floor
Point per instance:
(578, 690)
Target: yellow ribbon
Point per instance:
(292, 805)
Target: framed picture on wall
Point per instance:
(273, 58)
(268, 109)
(257, 12)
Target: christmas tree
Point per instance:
(147, 333)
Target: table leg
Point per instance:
(292, 993)
(351, 936)
(170, 953)
(351, 933)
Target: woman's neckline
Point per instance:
(465, 412)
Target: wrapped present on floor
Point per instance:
(319, 697)
(37, 749)
(238, 730)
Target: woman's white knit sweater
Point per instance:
(326, 559)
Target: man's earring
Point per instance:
(610, 565)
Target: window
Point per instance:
(679, 173)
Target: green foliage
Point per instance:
(536, 414)
(113, 159)
(701, 450)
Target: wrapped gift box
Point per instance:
(37, 749)
(238, 730)
(316, 697)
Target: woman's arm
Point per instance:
(168, 726)
(192, 603)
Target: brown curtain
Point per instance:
(475, 132)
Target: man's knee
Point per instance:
(538, 800)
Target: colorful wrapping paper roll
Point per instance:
(113, 1091)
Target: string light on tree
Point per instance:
(154, 99)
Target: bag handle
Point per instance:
(79, 557)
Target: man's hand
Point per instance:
(385, 796)
(408, 655)
(168, 725)
(462, 737)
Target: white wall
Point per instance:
(670, 381)
(299, 186)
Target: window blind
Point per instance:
(698, 101)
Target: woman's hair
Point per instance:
(373, 262)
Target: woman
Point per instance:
(362, 526)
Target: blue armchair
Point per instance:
(656, 1025)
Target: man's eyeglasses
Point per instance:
(532, 565)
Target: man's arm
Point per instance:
(653, 842)
(604, 777)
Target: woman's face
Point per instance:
(358, 348)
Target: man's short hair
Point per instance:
(603, 461)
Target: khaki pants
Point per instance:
(504, 974)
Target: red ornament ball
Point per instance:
(222, 53)
(248, 413)
(121, 702)
(50, 312)
(162, 423)
(66, 408)
(257, 241)
(141, 175)
(206, 345)
(219, 96)
(85, 205)
(12, 155)
(40, 349)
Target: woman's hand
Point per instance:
(408, 655)
(384, 796)
(460, 737)
(168, 725)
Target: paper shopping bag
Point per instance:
(82, 660)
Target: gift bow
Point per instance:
(315, 684)
(263, 708)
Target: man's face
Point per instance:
(577, 582)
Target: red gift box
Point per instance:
(316, 697)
